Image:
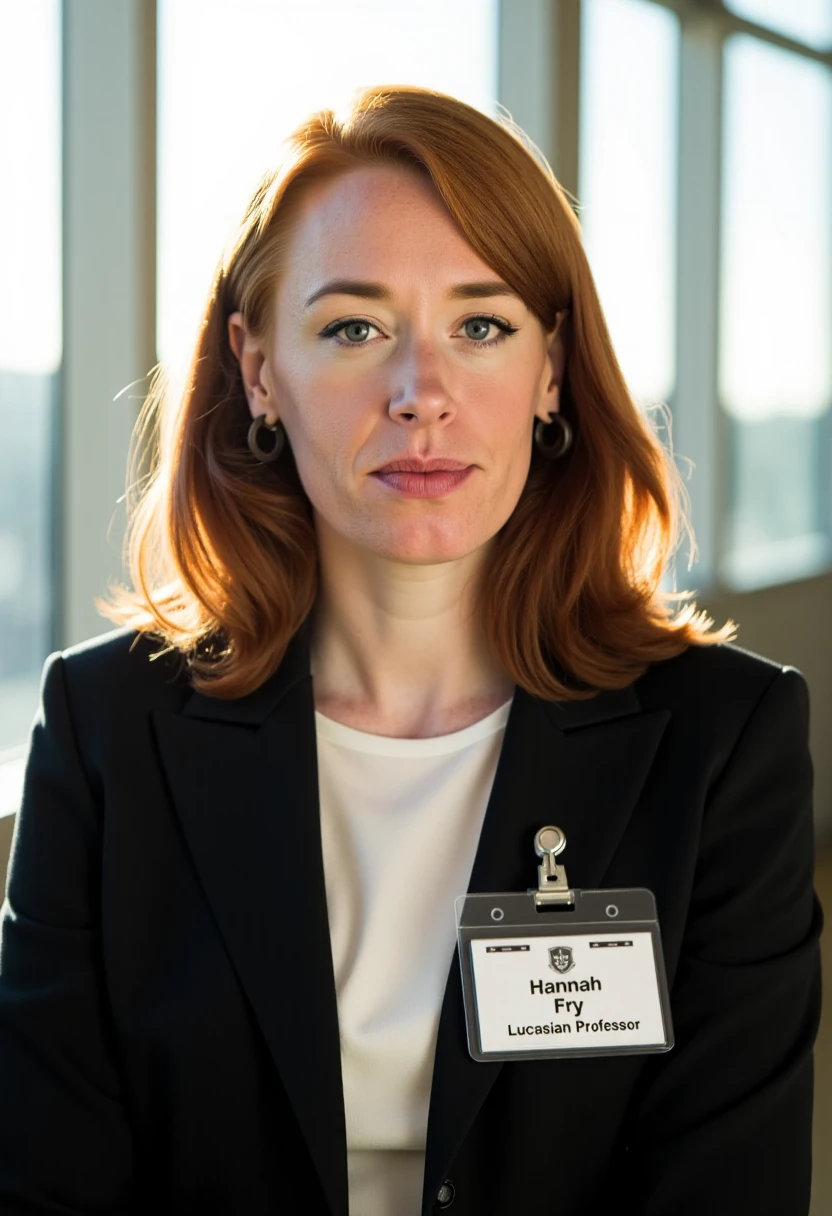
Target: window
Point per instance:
(627, 186)
(775, 364)
(808, 21)
(30, 354)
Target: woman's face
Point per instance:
(394, 339)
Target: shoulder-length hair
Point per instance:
(221, 548)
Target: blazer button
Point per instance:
(445, 1194)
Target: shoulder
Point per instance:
(723, 675)
(100, 696)
(720, 695)
(121, 672)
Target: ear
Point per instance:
(557, 340)
(253, 364)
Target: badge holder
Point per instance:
(555, 972)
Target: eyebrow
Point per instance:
(377, 291)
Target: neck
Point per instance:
(395, 648)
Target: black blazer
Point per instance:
(168, 1022)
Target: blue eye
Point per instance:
(355, 329)
(483, 322)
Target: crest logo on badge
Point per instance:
(560, 959)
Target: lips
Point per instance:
(427, 464)
(424, 483)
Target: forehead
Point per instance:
(375, 222)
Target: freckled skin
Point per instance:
(414, 384)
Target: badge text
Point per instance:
(544, 987)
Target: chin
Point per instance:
(423, 542)
(428, 548)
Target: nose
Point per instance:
(420, 392)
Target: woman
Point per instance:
(402, 547)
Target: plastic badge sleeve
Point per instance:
(587, 979)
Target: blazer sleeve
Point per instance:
(65, 1141)
(722, 1123)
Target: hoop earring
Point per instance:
(553, 451)
(255, 430)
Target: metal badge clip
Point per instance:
(552, 887)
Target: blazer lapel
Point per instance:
(579, 765)
(243, 778)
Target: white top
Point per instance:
(400, 824)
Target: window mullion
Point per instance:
(698, 427)
(108, 287)
(538, 74)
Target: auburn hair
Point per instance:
(221, 547)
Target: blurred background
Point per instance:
(696, 136)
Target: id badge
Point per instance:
(556, 972)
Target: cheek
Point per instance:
(307, 404)
(500, 411)
(328, 422)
